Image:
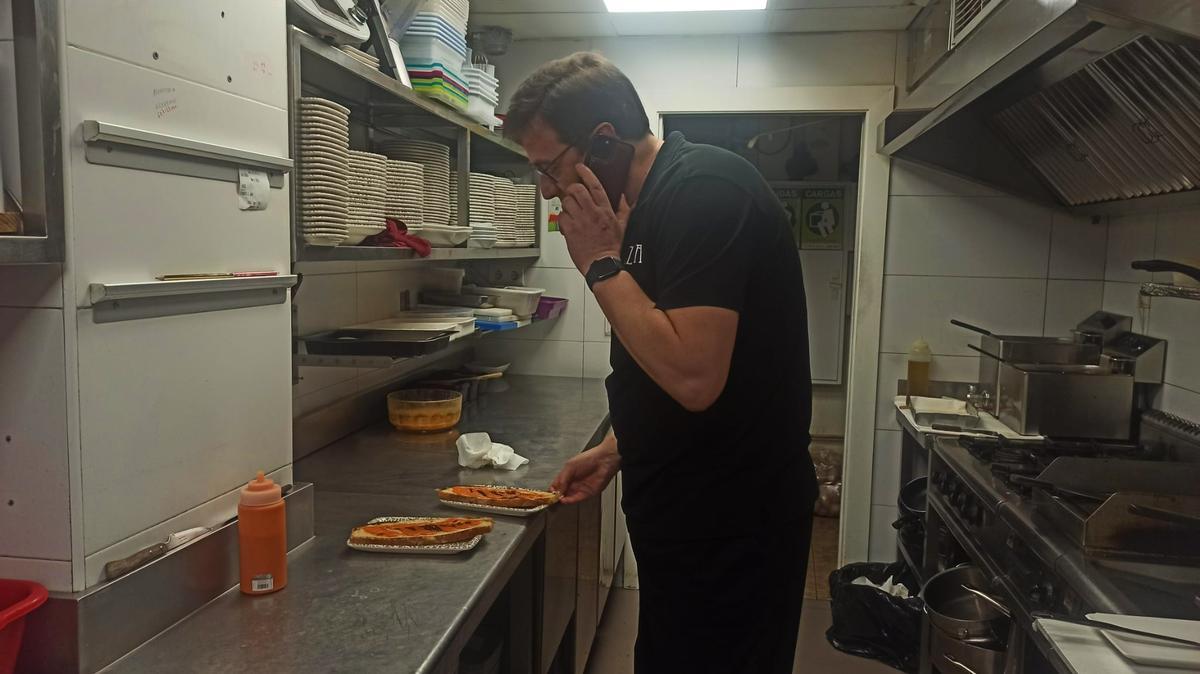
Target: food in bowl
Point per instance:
(424, 410)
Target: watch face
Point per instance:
(602, 269)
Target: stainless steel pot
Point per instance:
(960, 613)
(952, 656)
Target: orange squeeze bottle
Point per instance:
(262, 537)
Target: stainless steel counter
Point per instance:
(361, 612)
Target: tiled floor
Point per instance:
(822, 557)
(613, 651)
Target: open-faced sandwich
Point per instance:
(502, 497)
(424, 531)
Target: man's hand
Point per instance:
(588, 223)
(587, 475)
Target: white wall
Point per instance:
(959, 250)
(1172, 235)
(577, 345)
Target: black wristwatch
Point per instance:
(604, 268)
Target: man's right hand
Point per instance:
(588, 474)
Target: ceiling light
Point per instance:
(682, 5)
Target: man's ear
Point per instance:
(605, 129)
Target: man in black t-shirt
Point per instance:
(710, 392)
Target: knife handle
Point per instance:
(120, 567)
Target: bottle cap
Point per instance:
(261, 491)
(920, 348)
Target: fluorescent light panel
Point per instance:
(682, 5)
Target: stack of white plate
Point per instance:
(406, 188)
(483, 211)
(506, 213)
(368, 196)
(361, 56)
(435, 160)
(527, 203)
(453, 197)
(323, 151)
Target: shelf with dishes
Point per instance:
(401, 200)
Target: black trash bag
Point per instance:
(871, 623)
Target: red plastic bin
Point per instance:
(17, 599)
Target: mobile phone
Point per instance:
(609, 158)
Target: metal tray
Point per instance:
(496, 510)
(442, 549)
(393, 343)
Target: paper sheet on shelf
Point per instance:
(254, 190)
(933, 405)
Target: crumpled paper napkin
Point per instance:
(476, 450)
(889, 586)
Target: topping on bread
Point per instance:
(425, 531)
(505, 497)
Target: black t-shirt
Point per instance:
(708, 231)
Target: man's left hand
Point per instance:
(588, 223)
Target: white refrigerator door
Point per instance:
(825, 288)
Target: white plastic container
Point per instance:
(522, 301)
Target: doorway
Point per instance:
(871, 104)
(811, 161)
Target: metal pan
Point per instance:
(962, 614)
(393, 343)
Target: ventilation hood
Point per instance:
(1090, 104)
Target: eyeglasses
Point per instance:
(548, 170)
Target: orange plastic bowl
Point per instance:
(424, 410)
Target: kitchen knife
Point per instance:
(120, 567)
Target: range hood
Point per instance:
(1090, 104)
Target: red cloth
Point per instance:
(396, 236)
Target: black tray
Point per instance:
(361, 342)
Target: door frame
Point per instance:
(862, 377)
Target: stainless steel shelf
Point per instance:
(353, 253)
(1169, 290)
(380, 362)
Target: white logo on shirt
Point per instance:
(634, 255)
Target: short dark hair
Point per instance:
(574, 95)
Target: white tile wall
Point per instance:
(1178, 239)
(1122, 298)
(885, 479)
(679, 61)
(551, 358)
(595, 360)
(1130, 237)
(922, 306)
(1077, 248)
(804, 59)
(967, 236)
(1178, 321)
(882, 546)
(594, 321)
(1068, 303)
(1180, 401)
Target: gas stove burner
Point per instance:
(1028, 458)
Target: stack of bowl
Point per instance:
(323, 188)
(368, 196)
(406, 185)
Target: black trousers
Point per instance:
(722, 605)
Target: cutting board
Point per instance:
(1148, 651)
(1086, 651)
